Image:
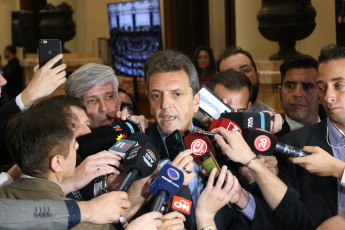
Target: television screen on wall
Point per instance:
(135, 34)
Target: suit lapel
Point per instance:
(328, 185)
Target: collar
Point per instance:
(31, 177)
(294, 125)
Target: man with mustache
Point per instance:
(298, 92)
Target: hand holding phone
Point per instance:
(48, 49)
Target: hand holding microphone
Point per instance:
(184, 162)
(165, 185)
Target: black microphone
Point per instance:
(103, 139)
(250, 120)
(165, 185)
(182, 201)
(141, 161)
(265, 143)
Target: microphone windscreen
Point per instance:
(250, 120)
(199, 144)
(260, 142)
(182, 201)
(143, 157)
(225, 123)
(103, 139)
(169, 179)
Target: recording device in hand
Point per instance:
(165, 185)
(47, 49)
(103, 139)
(265, 143)
(174, 143)
(209, 162)
(141, 161)
(211, 104)
(250, 120)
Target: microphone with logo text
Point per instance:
(165, 185)
(225, 123)
(250, 120)
(199, 144)
(141, 161)
(265, 143)
(103, 139)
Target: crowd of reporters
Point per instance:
(83, 160)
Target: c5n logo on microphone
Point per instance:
(198, 147)
(181, 204)
(262, 143)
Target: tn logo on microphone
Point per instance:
(181, 204)
(262, 143)
(198, 147)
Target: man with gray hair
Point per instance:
(97, 86)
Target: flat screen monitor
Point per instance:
(135, 34)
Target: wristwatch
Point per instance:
(209, 228)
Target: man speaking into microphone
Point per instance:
(172, 86)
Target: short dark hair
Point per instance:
(61, 100)
(134, 104)
(333, 54)
(35, 136)
(232, 80)
(169, 61)
(12, 49)
(233, 51)
(299, 61)
(212, 67)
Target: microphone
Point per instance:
(225, 123)
(103, 139)
(199, 144)
(182, 201)
(141, 161)
(265, 143)
(165, 185)
(250, 120)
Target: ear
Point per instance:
(249, 105)
(280, 92)
(258, 74)
(196, 102)
(56, 163)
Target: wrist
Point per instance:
(85, 211)
(244, 200)
(339, 168)
(27, 97)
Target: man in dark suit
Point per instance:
(13, 72)
(172, 87)
(298, 92)
(315, 176)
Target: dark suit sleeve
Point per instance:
(292, 212)
(30, 214)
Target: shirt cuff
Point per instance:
(342, 181)
(5, 179)
(249, 210)
(74, 213)
(20, 103)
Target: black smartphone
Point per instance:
(175, 144)
(47, 49)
